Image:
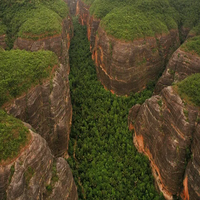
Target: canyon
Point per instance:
(165, 127)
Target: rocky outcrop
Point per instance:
(47, 107)
(3, 41)
(36, 174)
(125, 67)
(181, 65)
(191, 181)
(165, 130)
(59, 44)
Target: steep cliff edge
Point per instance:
(33, 172)
(36, 90)
(126, 60)
(166, 130)
(184, 62)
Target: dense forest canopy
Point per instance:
(32, 19)
(133, 19)
(104, 161)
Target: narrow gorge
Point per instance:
(99, 99)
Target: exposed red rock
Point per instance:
(125, 67)
(181, 65)
(32, 172)
(59, 44)
(72, 6)
(47, 107)
(164, 128)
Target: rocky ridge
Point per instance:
(125, 67)
(166, 130)
(36, 174)
(181, 65)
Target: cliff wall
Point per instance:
(36, 174)
(47, 107)
(166, 130)
(125, 67)
(181, 65)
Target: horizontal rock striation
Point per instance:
(28, 175)
(47, 107)
(165, 130)
(59, 44)
(3, 41)
(125, 67)
(181, 65)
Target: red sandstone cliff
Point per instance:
(59, 44)
(47, 107)
(36, 174)
(125, 67)
(165, 129)
(181, 65)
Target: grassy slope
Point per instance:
(189, 89)
(13, 136)
(104, 161)
(19, 70)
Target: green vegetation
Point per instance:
(192, 45)
(131, 19)
(19, 70)
(29, 174)
(2, 28)
(33, 19)
(12, 171)
(54, 179)
(105, 163)
(13, 136)
(189, 89)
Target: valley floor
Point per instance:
(104, 161)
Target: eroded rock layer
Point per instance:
(32, 174)
(181, 65)
(125, 67)
(165, 130)
(59, 44)
(47, 107)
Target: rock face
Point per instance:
(181, 65)
(30, 175)
(47, 107)
(59, 44)
(165, 129)
(3, 41)
(125, 67)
